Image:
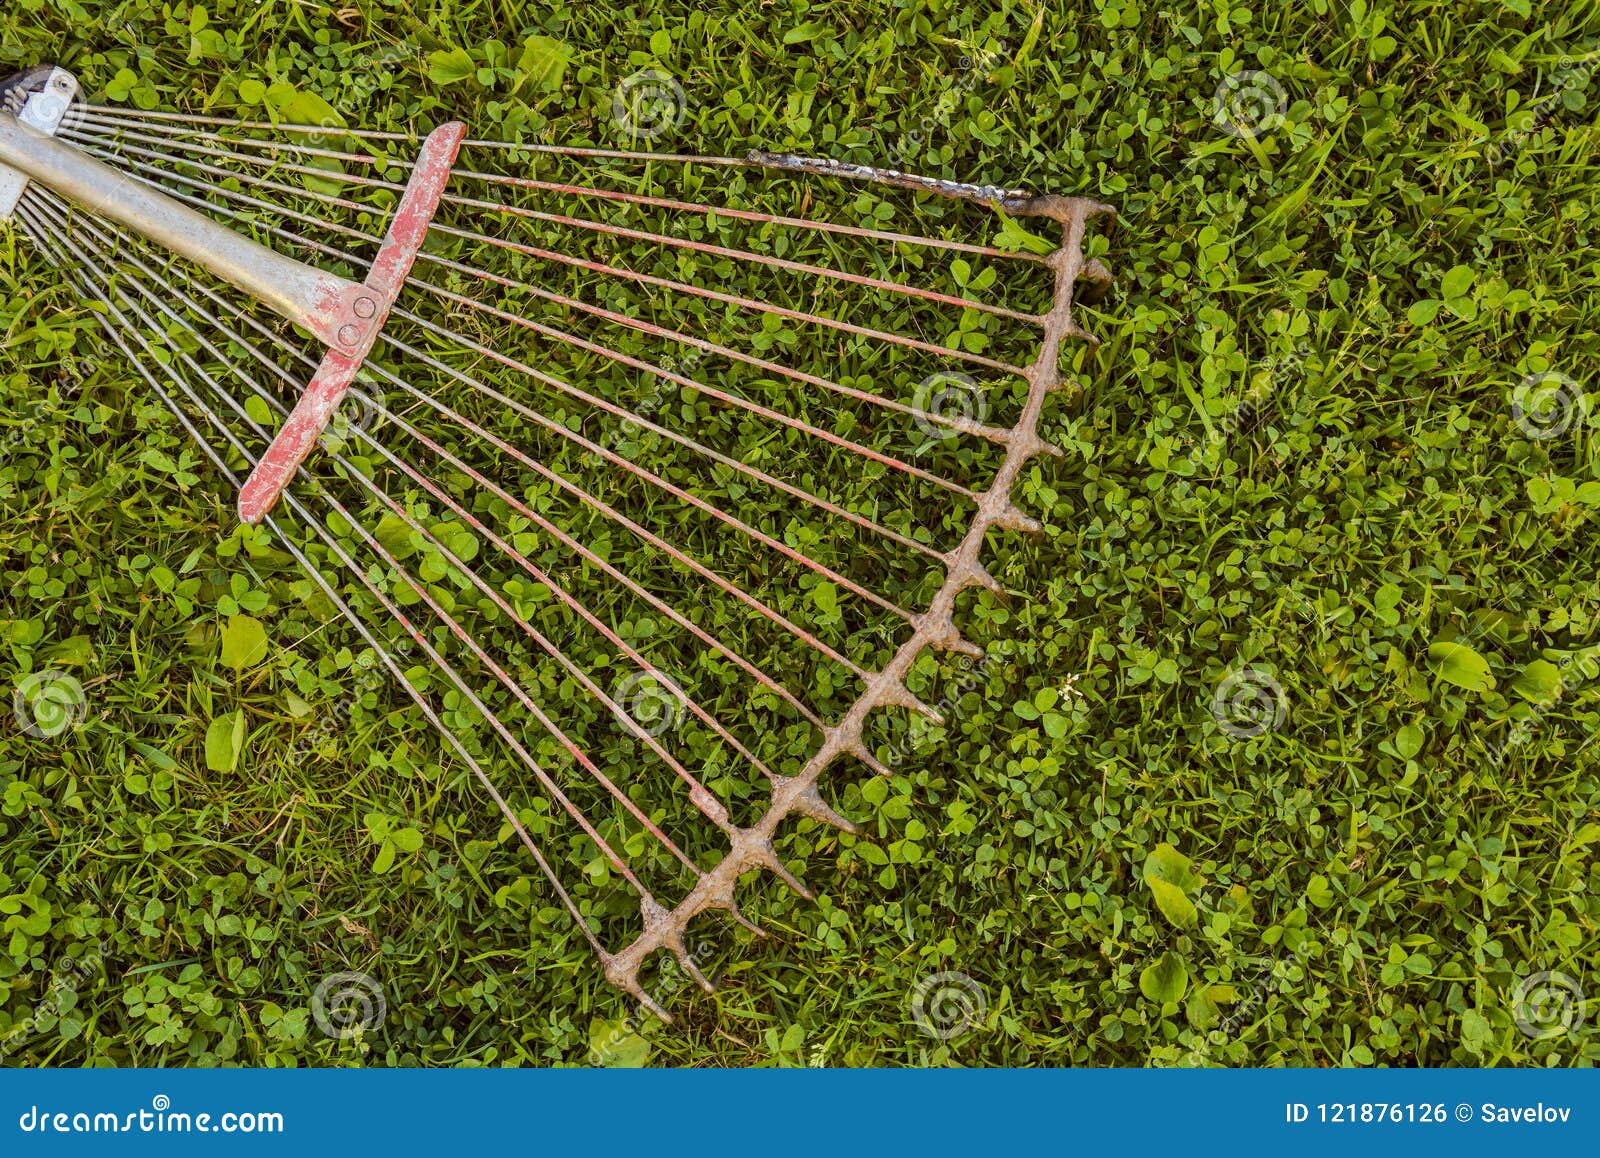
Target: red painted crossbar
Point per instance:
(385, 280)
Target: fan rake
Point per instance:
(644, 498)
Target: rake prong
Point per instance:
(616, 516)
(115, 324)
(808, 800)
(406, 624)
(964, 426)
(604, 555)
(673, 376)
(751, 305)
(103, 142)
(650, 476)
(797, 267)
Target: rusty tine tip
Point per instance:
(769, 857)
(700, 978)
(652, 1005)
(813, 805)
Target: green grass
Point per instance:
(1295, 459)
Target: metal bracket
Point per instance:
(371, 303)
(44, 111)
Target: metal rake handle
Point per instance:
(550, 520)
(342, 315)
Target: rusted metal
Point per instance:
(387, 278)
(752, 848)
(167, 163)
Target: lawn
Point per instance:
(1279, 750)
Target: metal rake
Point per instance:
(644, 498)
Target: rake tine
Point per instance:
(664, 497)
(618, 517)
(118, 145)
(172, 135)
(114, 328)
(965, 426)
(585, 397)
(381, 135)
(799, 267)
(885, 236)
(654, 478)
(697, 209)
(372, 542)
(753, 306)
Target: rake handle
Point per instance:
(319, 302)
(387, 277)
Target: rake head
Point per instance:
(648, 478)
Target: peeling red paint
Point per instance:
(364, 310)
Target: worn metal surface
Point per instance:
(43, 110)
(752, 848)
(136, 303)
(320, 302)
(340, 366)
